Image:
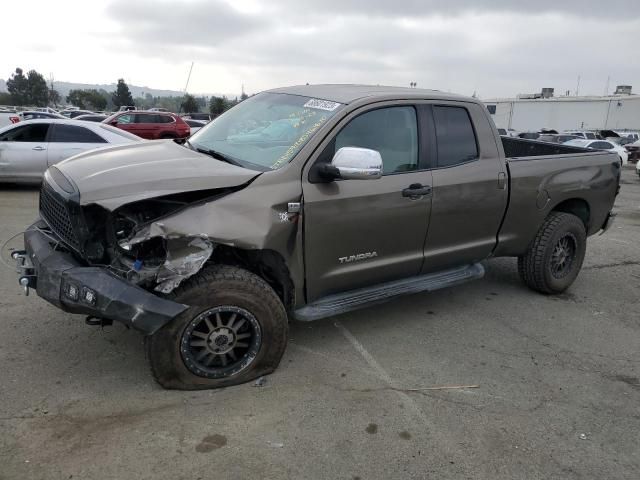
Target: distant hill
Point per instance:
(63, 89)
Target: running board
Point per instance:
(362, 297)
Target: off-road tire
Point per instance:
(535, 267)
(215, 286)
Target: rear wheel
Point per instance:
(554, 257)
(234, 331)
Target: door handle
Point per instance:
(39, 148)
(416, 190)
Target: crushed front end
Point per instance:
(82, 260)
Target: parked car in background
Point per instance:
(150, 125)
(7, 117)
(633, 150)
(632, 134)
(92, 117)
(67, 111)
(195, 125)
(77, 113)
(34, 115)
(126, 108)
(28, 148)
(556, 138)
(582, 134)
(529, 135)
(46, 110)
(206, 117)
(601, 145)
(157, 109)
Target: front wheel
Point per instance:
(554, 257)
(234, 331)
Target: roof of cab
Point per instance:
(347, 93)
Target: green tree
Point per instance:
(18, 87)
(217, 105)
(38, 91)
(5, 98)
(76, 98)
(54, 97)
(122, 96)
(90, 98)
(189, 104)
(244, 96)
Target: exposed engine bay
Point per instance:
(160, 260)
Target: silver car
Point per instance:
(28, 148)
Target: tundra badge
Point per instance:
(358, 257)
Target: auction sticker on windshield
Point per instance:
(321, 104)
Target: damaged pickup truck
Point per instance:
(304, 202)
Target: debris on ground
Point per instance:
(260, 382)
(441, 387)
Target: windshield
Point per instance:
(264, 132)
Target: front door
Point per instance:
(364, 232)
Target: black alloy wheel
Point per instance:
(221, 341)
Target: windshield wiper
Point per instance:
(219, 156)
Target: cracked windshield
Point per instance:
(265, 131)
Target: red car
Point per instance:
(151, 125)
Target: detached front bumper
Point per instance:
(63, 281)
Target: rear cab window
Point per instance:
(455, 136)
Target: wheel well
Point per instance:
(578, 207)
(267, 264)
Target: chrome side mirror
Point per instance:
(354, 163)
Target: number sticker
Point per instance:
(321, 104)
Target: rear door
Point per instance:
(147, 125)
(469, 187)
(363, 232)
(68, 140)
(23, 152)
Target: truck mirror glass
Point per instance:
(354, 163)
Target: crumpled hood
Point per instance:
(112, 177)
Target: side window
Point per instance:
(391, 131)
(36, 132)
(124, 119)
(73, 134)
(165, 119)
(491, 109)
(146, 118)
(454, 135)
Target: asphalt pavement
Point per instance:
(550, 385)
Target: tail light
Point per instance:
(14, 119)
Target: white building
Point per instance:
(525, 113)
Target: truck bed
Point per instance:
(520, 147)
(544, 177)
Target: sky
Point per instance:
(495, 48)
